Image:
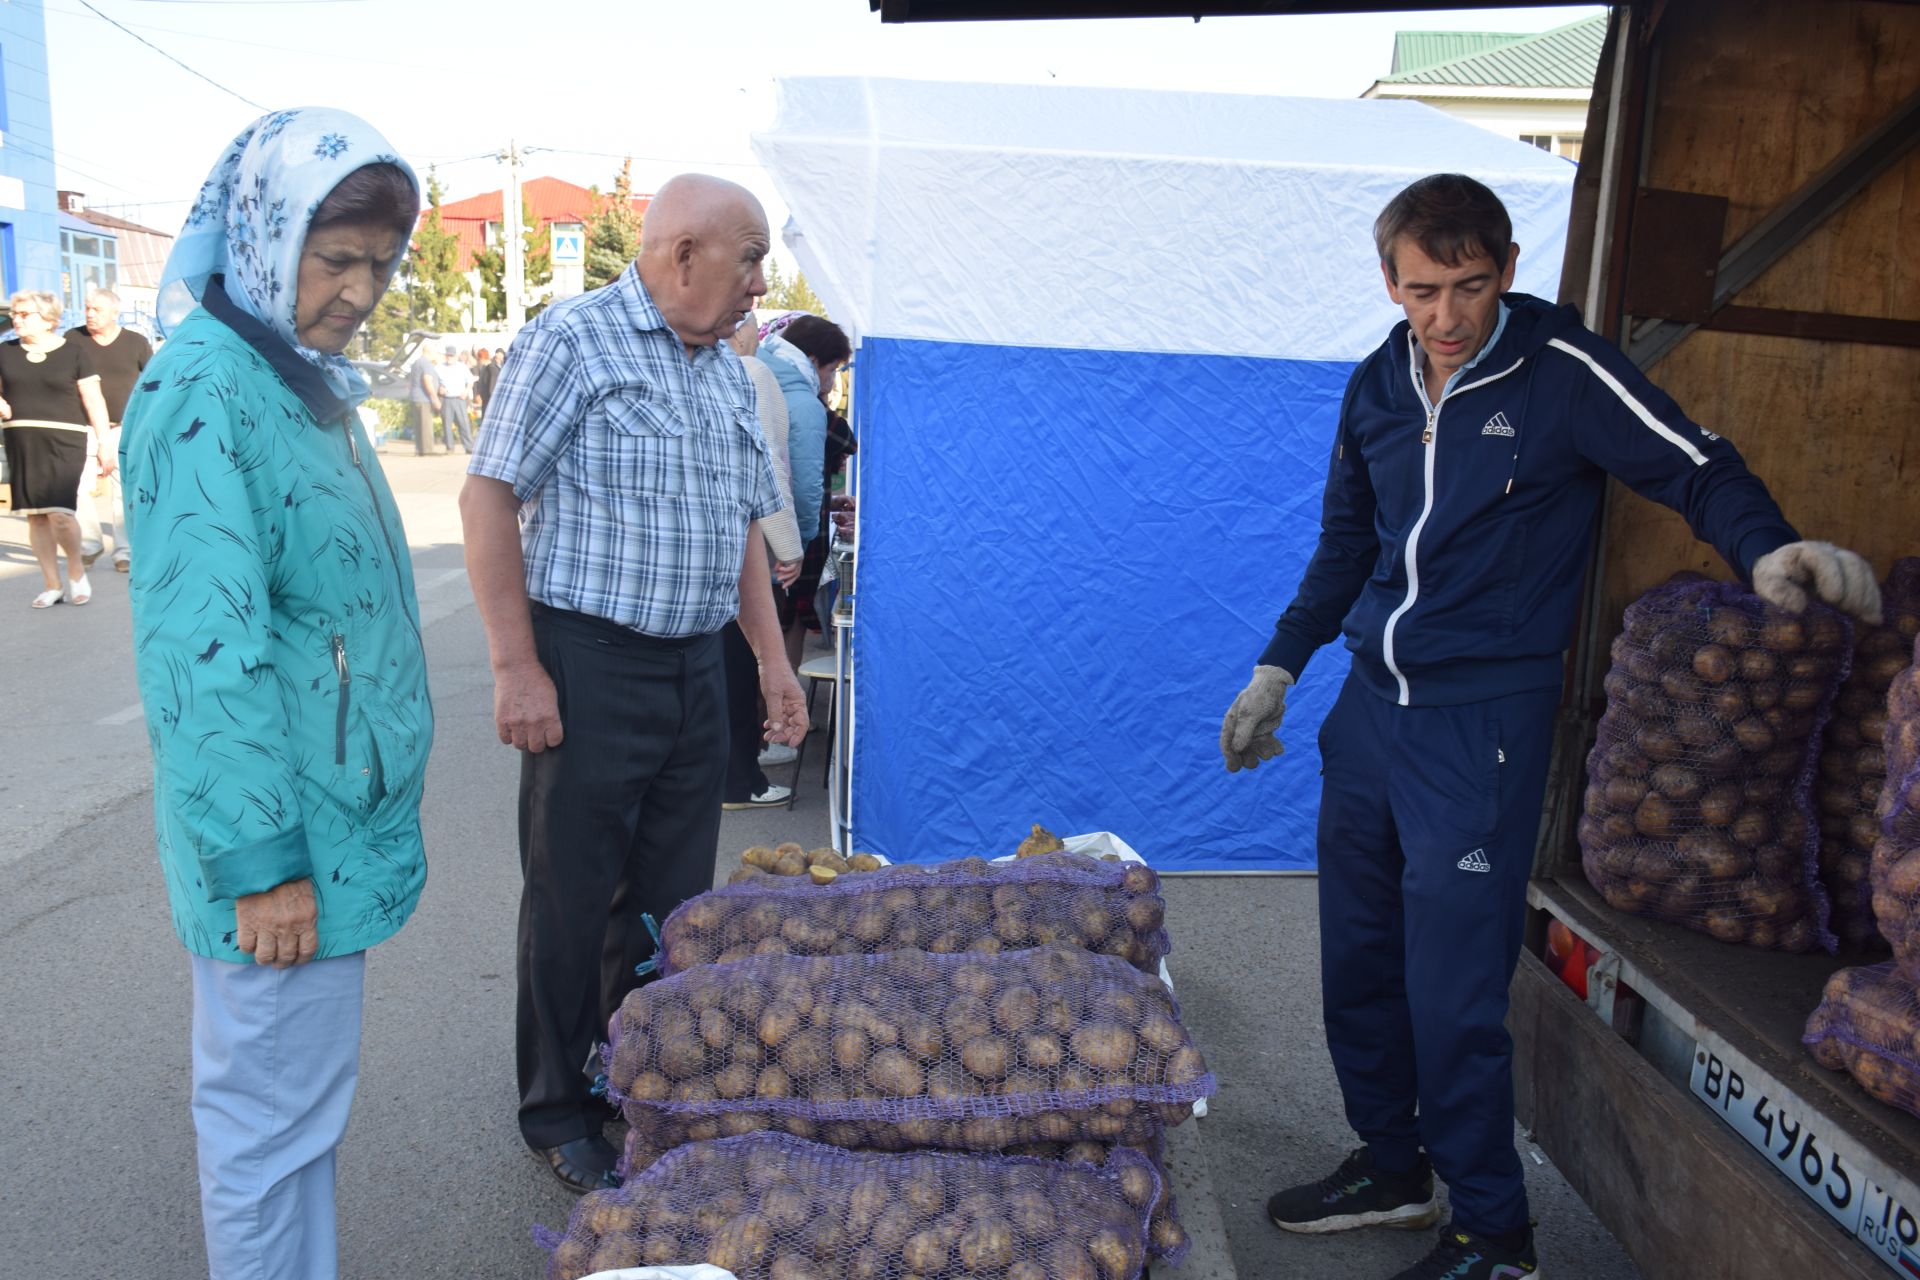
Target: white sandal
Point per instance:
(79, 590)
(48, 599)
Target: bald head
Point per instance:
(701, 246)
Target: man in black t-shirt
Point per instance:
(118, 355)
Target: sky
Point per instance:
(578, 84)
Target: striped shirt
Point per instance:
(638, 469)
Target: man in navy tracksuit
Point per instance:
(1471, 459)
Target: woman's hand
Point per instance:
(278, 927)
(786, 572)
(6, 410)
(108, 463)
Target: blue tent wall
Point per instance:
(1069, 560)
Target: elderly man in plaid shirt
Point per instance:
(612, 529)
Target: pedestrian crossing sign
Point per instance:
(569, 244)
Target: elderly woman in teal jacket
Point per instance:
(277, 640)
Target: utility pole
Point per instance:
(515, 273)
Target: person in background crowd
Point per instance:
(119, 354)
(56, 418)
(1434, 758)
(805, 353)
(613, 528)
(485, 374)
(747, 758)
(455, 386)
(283, 679)
(423, 388)
(487, 381)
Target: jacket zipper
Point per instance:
(1429, 441)
(380, 518)
(343, 701)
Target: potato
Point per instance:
(740, 1243)
(759, 857)
(987, 1245)
(896, 1074)
(864, 862)
(790, 1266)
(1654, 816)
(1676, 782)
(1104, 1046)
(986, 1057)
(1714, 663)
(1068, 1260)
(791, 863)
(822, 874)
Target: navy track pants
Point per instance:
(1428, 819)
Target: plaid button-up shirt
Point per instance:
(638, 468)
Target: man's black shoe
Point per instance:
(1358, 1194)
(583, 1165)
(1461, 1255)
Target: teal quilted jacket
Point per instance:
(277, 639)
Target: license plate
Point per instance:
(1827, 1166)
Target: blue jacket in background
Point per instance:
(1455, 537)
(806, 438)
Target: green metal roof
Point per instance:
(1417, 50)
(1563, 58)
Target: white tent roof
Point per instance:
(1123, 219)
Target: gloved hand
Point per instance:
(1247, 734)
(1840, 577)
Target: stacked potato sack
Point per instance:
(773, 1207)
(903, 1050)
(967, 905)
(1896, 855)
(1698, 798)
(1853, 761)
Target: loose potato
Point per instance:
(791, 863)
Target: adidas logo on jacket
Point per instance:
(1455, 536)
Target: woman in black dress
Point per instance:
(49, 394)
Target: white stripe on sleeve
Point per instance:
(1640, 411)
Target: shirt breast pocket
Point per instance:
(643, 446)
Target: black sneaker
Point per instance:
(1461, 1255)
(1359, 1195)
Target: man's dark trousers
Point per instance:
(621, 819)
(745, 778)
(1428, 820)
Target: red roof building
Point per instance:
(548, 200)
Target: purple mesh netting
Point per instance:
(1698, 798)
(771, 1207)
(1896, 854)
(969, 905)
(907, 1049)
(1853, 759)
(1867, 1025)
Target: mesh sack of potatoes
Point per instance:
(1853, 758)
(773, 1207)
(968, 905)
(1166, 1238)
(1698, 788)
(906, 1049)
(1896, 854)
(1868, 1025)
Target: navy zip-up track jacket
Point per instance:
(1454, 537)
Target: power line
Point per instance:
(88, 5)
(321, 54)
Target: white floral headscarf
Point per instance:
(250, 221)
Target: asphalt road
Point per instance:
(96, 1144)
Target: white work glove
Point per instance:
(1247, 734)
(1840, 577)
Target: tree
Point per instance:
(795, 294)
(429, 289)
(613, 231)
(536, 267)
